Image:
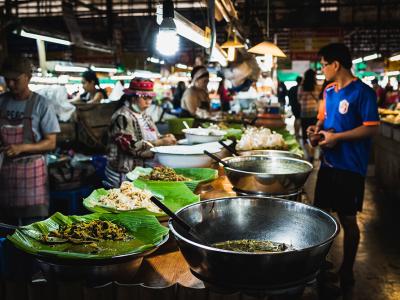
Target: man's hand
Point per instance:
(313, 129)
(330, 139)
(15, 150)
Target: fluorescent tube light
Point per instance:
(371, 57)
(122, 77)
(105, 70)
(185, 28)
(393, 73)
(395, 58)
(357, 60)
(45, 38)
(74, 69)
(182, 66)
(146, 74)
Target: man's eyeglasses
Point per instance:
(324, 65)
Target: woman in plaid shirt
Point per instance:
(132, 133)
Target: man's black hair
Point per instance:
(337, 52)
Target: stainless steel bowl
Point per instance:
(273, 153)
(308, 229)
(266, 174)
(121, 268)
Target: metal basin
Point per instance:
(273, 153)
(267, 175)
(120, 268)
(309, 230)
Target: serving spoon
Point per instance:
(190, 230)
(217, 159)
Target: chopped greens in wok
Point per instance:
(254, 246)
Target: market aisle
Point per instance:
(377, 268)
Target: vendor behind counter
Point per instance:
(91, 85)
(196, 96)
(132, 133)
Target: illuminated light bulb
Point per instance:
(167, 42)
(231, 54)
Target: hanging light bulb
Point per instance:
(231, 54)
(267, 48)
(167, 40)
(231, 44)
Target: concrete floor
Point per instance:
(377, 268)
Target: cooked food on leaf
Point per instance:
(252, 246)
(88, 232)
(128, 197)
(261, 139)
(166, 174)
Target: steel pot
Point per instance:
(308, 229)
(266, 174)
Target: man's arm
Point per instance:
(47, 144)
(361, 132)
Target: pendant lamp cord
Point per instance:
(268, 19)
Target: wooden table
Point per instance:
(167, 266)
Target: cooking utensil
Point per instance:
(190, 230)
(217, 159)
(280, 153)
(266, 174)
(309, 230)
(179, 156)
(231, 149)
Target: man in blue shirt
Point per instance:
(347, 119)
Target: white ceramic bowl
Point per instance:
(185, 156)
(203, 135)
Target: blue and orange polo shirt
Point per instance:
(343, 110)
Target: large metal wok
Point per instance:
(309, 230)
(259, 174)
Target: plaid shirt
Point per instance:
(127, 147)
(308, 103)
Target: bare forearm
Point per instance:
(360, 132)
(40, 147)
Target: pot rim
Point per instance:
(326, 241)
(297, 160)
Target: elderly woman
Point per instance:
(132, 133)
(196, 96)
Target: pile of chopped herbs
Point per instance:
(166, 174)
(255, 246)
(88, 232)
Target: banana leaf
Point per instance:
(146, 233)
(174, 195)
(197, 175)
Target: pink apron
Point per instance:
(23, 179)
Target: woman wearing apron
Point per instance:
(28, 127)
(132, 133)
